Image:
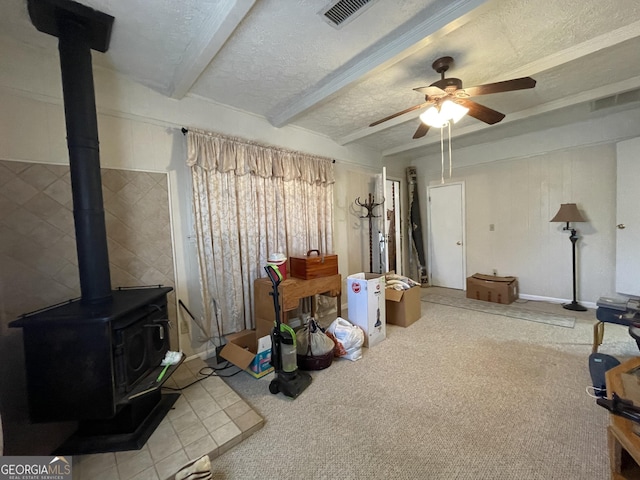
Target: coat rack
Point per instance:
(370, 205)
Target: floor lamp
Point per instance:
(569, 213)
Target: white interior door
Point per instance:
(387, 231)
(446, 235)
(380, 254)
(383, 233)
(393, 229)
(628, 218)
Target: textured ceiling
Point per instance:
(280, 60)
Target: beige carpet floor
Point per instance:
(458, 394)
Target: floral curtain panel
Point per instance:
(249, 201)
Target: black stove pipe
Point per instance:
(75, 38)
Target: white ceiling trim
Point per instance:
(600, 92)
(219, 26)
(454, 14)
(588, 47)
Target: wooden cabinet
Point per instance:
(291, 291)
(624, 442)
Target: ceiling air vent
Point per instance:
(339, 13)
(616, 100)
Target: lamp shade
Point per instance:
(453, 111)
(439, 117)
(568, 213)
(433, 118)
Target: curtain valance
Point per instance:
(212, 151)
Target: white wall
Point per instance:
(352, 182)
(139, 129)
(518, 184)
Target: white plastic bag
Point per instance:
(199, 468)
(349, 336)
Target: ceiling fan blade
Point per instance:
(422, 130)
(431, 91)
(482, 113)
(506, 86)
(410, 109)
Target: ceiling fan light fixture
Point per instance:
(453, 111)
(434, 118)
(445, 90)
(439, 117)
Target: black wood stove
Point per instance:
(95, 359)
(98, 364)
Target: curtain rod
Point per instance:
(186, 130)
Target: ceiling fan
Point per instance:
(451, 89)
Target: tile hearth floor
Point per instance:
(208, 418)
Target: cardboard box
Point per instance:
(492, 288)
(403, 307)
(313, 265)
(251, 349)
(366, 305)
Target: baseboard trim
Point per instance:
(539, 298)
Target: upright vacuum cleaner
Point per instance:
(288, 379)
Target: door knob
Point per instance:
(621, 226)
(458, 243)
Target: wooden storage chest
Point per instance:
(313, 266)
